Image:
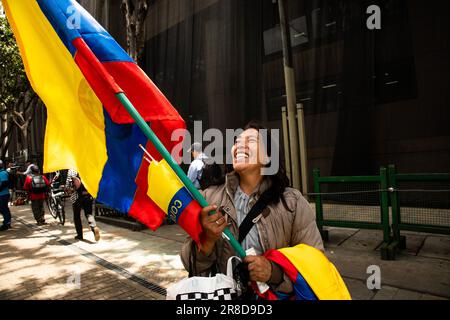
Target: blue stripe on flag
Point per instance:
(124, 160)
(179, 203)
(302, 290)
(70, 21)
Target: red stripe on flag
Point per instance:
(288, 268)
(109, 78)
(146, 211)
(143, 94)
(95, 73)
(189, 220)
(280, 259)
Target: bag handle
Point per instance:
(192, 260)
(230, 265)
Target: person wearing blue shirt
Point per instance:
(4, 198)
(196, 167)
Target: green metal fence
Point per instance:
(420, 202)
(359, 202)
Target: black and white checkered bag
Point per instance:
(221, 294)
(219, 287)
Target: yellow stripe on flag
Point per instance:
(75, 132)
(161, 175)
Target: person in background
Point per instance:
(11, 168)
(81, 199)
(37, 185)
(27, 172)
(4, 198)
(196, 167)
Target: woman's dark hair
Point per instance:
(212, 175)
(280, 181)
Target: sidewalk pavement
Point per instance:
(46, 262)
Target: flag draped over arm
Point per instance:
(312, 275)
(77, 69)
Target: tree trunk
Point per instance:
(23, 118)
(5, 147)
(6, 139)
(135, 13)
(99, 10)
(131, 43)
(25, 139)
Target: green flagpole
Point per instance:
(175, 167)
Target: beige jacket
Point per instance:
(278, 227)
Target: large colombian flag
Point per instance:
(77, 69)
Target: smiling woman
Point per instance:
(283, 216)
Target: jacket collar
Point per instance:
(232, 183)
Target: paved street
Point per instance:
(46, 262)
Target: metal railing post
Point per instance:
(384, 205)
(319, 207)
(395, 207)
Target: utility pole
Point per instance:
(302, 145)
(290, 93)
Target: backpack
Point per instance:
(38, 184)
(19, 201)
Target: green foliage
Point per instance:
(13, 80)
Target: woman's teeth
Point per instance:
(241, 156)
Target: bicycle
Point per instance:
(56, 200)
